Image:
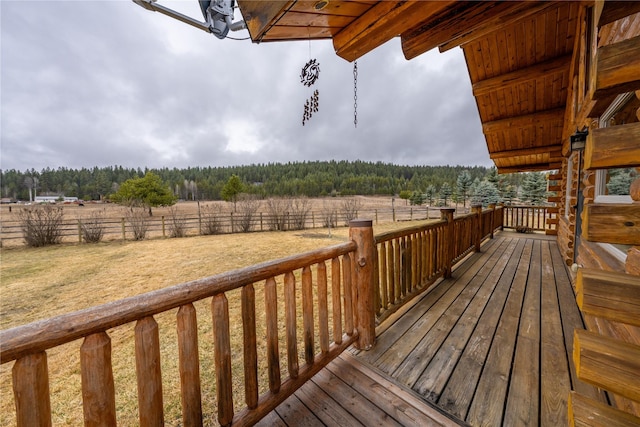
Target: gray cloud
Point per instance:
(99, 83)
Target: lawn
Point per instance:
(44, 282)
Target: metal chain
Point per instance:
(355, 94)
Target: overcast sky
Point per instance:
(99, 83)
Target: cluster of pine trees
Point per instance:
(433, 185)
(311, 179)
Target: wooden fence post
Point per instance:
(123, 230)
(79, 231)
(361, 232)
(477, 210)
(492, 206)
(164, 234)
(447, 214)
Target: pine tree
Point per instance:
(485, 193)
(463, 185)
(619, 181)
(445, 192)
(534, 188)
(430, 194)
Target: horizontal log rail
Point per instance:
(335, 289)
(526, 218)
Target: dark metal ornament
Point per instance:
(308, 77)
(310, 73)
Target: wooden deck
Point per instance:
(491, 346)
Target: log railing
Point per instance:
(366, 279)
(412, 259)
(531, 218)
(341, 316)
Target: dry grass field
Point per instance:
(44, 282)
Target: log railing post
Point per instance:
(447, 214)
(361, 232)
(147, 346)
(98, 392)
(31, 390)
(477, 210)
(492, 206)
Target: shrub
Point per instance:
(299, 211)
(350, 208)
(277, 208)
(177, 223)
(92, 228)
(137, 219)
(247, 207)
(41, 225)
(211, 221)
(329, 216)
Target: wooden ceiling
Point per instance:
(518, 54)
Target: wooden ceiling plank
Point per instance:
(478, 20)
(522, 11)
(298, 19)
(522, 75)
(260, 15)
(336, 8)
(381, 23)
(551, 149)
(537, 118)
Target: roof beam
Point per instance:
(523, 75)
(381, 23)
(606, 12)
(552, 150)
(464, 23)
(526, 120)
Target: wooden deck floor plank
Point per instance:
(445, 316)
(272, 419)
(458, 393)
(438, 371)
(523, 396)
(356, 404)
(412, 327)
(555, 383)
(323, 404)
(294, 413)
(487, 405)
(571, 319)
(401, 404)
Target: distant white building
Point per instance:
(54, 199)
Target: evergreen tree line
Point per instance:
(311, 179)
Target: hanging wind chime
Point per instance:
(308, 77)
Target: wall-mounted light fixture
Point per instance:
(579, 139)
